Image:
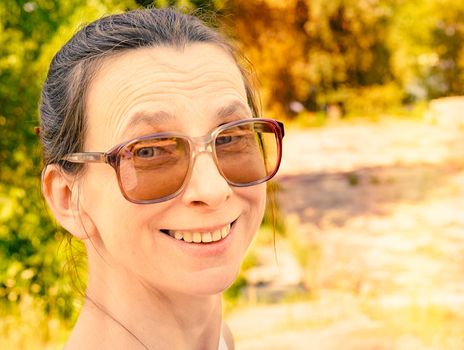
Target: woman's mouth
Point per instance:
(200, 237)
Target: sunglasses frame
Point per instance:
(197, 145)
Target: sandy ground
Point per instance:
(381, 208)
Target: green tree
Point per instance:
(427, 41)
(308, 50)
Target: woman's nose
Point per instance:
(206, 187)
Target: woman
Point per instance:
(160, 98)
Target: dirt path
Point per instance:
(380, 209)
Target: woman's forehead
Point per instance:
(186, 83)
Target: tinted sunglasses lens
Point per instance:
(154, 168)
(248, 153)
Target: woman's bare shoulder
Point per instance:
(94, 332)
(86, 334)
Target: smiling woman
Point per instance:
(156, 159)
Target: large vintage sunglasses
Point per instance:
(155, 168)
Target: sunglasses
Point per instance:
(155, 168)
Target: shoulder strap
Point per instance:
(222, 344)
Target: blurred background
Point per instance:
(363, 247)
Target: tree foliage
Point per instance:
(320, 52)
(426, 39)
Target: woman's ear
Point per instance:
(62, 195)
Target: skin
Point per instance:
(167, 293)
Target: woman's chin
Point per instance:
(211, 283)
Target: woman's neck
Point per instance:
(121, 309)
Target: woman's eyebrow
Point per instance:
(153, 119)
(235, 107)
(158, 118)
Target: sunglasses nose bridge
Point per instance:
(202, 144)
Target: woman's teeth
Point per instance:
(201, 237)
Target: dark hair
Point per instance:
(62, 107)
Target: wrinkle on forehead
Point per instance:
(177, 81)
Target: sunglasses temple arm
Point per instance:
(86, 157)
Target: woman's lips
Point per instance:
(200, 237)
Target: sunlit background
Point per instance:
(363, 248)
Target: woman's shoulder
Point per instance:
(87, 333)
(92, 340)
(94, 332)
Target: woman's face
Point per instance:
(191, 91)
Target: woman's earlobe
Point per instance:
(61, 193)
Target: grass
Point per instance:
(435, 326)
(353, 323)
